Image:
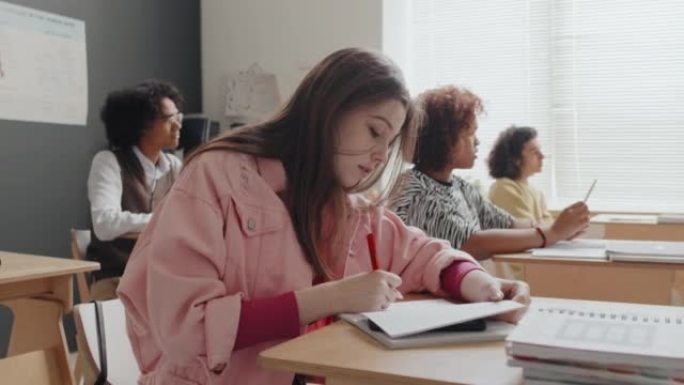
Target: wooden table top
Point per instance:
(342, 350)
(16, 267)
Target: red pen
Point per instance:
(371, 248)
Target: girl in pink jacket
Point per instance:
(227, 265)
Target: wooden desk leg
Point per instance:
(38, 326)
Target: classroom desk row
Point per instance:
(601, 280)
(651, 283)
(39, 292)
(344, 356)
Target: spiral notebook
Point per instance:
(612, 333)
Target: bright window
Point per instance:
(602, 82)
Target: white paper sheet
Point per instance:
(411, 317)
(43, 70)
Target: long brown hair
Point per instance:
(303, 136)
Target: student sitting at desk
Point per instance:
(515, 157)
(445, 206)
(229, 264)
(128, 180)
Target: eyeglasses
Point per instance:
(174, 118)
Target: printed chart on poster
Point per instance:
(43, 70)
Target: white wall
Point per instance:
(284, 37)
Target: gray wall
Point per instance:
(44, 167)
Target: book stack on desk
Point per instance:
(605, 343)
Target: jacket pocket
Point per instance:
(256, 221)
(261, 255)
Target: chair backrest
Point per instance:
(122, 368)
(80, 239)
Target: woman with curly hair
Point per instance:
(129, 179)
(515, 157)
(445, 206)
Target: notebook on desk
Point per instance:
(646, 251)
(577, 249)
(414, 323)
(671, 218)
(602, 333)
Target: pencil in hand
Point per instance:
(590, 190)
(371, 249)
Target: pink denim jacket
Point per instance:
(222, 234)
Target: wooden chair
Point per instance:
(38, 367)
(121, 366)
(80, 239)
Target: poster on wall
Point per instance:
(251, 95)
(43, 70)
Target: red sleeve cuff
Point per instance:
(267, 319)
(452, 276)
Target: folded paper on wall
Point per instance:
(251, 95)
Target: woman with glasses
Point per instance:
(129, 179)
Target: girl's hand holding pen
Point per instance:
(367, 291)
(363, 292)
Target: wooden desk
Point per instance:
(650, 283)
(345, 356)
(39, 291)
(641, 227)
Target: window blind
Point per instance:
(602, 82)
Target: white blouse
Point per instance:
(105, 191)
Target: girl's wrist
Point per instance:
(316, 302)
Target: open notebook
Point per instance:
(610, 333)
(413, 323)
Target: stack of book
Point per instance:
(605, 343)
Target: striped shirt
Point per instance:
(451, 211)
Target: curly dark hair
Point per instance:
(447, 112)
(507, 150)
(127, 113)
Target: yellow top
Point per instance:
(520, 199)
